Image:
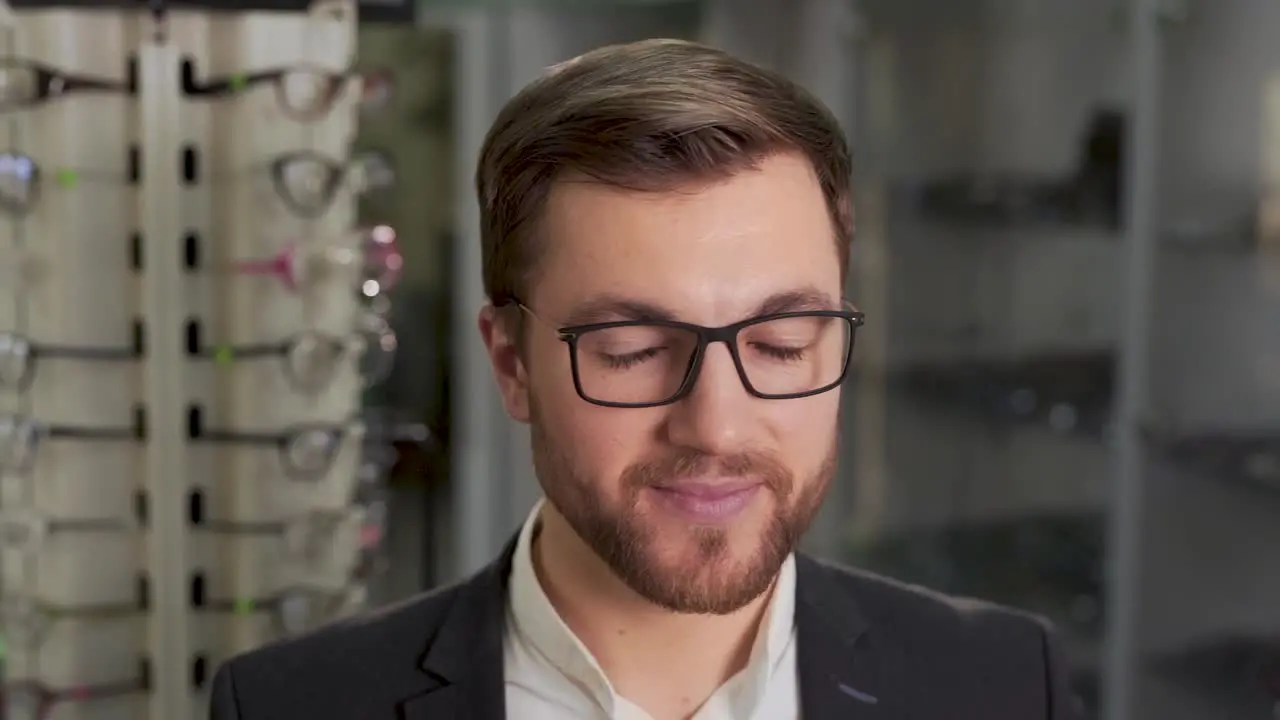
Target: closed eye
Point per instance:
(780, 352)
(627, 360)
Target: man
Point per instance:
(666, 231)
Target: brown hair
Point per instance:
(648, 116)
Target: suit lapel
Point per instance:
(845, 672)
(464, 659)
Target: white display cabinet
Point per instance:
(185, 336)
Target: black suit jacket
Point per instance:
(868, 649)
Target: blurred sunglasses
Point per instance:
(19, 356)
(305, 93)
(307, 451)
(28, 83)
(21, 181)
(377, 261)
(21, 436)
(311, 359)
(26, 620)
(298, 609)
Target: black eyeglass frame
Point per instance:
(54, 84)
(727, 334)
(233, 84)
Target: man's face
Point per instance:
(648, 489)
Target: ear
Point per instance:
(508, 366)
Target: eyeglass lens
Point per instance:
(18, 182)
(19, 85)
(649, 363)
(307, 182)
(308, 92)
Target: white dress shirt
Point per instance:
(550, 674)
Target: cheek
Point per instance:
(805, 429)
(601, 442)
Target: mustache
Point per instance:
(692, 464)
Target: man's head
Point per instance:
(668, 183)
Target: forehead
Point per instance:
(710, 253)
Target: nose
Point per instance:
(714, 417)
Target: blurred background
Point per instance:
(1068, 251)
(1067, 392)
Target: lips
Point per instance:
(709, 491)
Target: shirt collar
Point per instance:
(538, 624)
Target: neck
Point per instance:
(644, 650)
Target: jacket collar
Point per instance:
(844, 672)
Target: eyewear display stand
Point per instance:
(180, 435)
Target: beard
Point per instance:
(708, 578)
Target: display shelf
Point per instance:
(71, 396)
(128, 196)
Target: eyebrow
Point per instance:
(609, 307)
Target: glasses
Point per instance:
(306, 451)
(21, 435)
(308, 181)
(18, 356)
(27, 530)
(635, 364)
(296, 266)
(34, 700)
(27, 83)
(311, 359)
(304, 93)
(22, 179)
(299, 609)
(306, 536)
(27, 620)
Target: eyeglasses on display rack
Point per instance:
(34, 700)
(305, 93)
(22, 179)
(311, 359)
(308, 182)
(28, 83)
(377, 259)
(19, 356)
(21, 436)
(647, 363)
(298, 609)
(304, 536)
(307, 451)
(26, 530)
(26, 620)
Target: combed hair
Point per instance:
(649, 116)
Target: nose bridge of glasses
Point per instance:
(714, 369)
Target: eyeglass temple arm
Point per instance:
(74, 83)
(247, 351)
(245, 438)
(77, 432)
(242, 527)
(226, 84)
(79, 352)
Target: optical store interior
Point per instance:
(1066, 396)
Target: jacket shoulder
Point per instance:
(895, 603)
(337, 670)
(987, 660)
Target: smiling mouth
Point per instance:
(707, 503)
